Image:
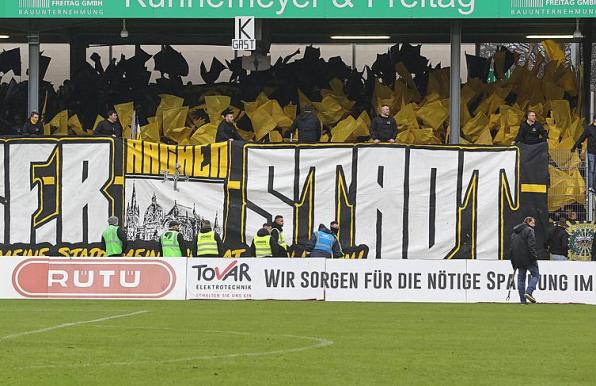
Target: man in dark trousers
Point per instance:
(227, 131)
(279, 240)
(207, 243)
(324, 243)
(557, 241)
(524, 258)
(531, 131)
(263, 245)
(113, 239)
(109, 127)
(589, 134)
(33, 126)
(384, 127)
(308, 126)
(171, 243)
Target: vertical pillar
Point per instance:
(455, 82)
(78, 53)
(587, 68)
(353, 56)
(33, 92)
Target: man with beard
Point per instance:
(277, 235)
(226, 131)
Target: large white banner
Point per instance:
(113, 278)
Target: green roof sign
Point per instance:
(313, 9)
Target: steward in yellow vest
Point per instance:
(277, 234)
(113, 239)
(263, 244)
(172, 242)
(207, 242)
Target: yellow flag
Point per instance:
(150, 132)
(59, 124)
(406, 117)
(75, 125)
(433, 114)
(275, 137)
(216, 104)
(342, 131)
(204, 134)
(125, 112)
(553, 50)
(174, 125)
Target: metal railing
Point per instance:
(568, 195)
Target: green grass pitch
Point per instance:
(294, 343)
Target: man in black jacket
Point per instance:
(33, 126)
(384, 127)
(308, 126)
(589, 134)
(531, 131)
(278, 237)
(524, 258)
(109, 127)
(226, 131)
(557, 241)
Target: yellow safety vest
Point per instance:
(206, 244)
(282, 240)
(263, 246)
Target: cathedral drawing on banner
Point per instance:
(156, 220)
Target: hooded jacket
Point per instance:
(227, 131)
(217, 240)
(523, 246)
(557, 242)
(276, 230)
(263, 232)
(308, 126)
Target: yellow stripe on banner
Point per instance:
(234, 185)
(119, 180)
(49, 180)
(533, 188)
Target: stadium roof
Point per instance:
(220, 32)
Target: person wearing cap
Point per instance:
(171, 242)
(113, 239)
(33, 126)
(207, 243)
(226, 131)
(308, 126)
(262, 244)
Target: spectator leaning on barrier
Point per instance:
(384, 127)
(531, 131)
(226, 131)
(33, 126)
(557, 241)
(524, 258)
(279, 240)
(589, 134)
(263, 245)
(172, 243)
(113, 239)
(308, 126)
(109, 127)
(207, 243)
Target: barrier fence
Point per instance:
(459, 281)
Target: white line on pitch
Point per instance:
(64, 325)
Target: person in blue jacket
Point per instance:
(324, 243)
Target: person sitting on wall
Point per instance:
(33, 126)
(207, 243)
(531, 131)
